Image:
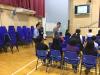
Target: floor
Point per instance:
(24, 62)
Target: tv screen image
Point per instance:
(82, 9)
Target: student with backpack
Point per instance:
(78, 37)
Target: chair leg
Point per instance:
(62, 68)
(81, 69)
(47, 66)
(37, 63)
(11, 49)
(17, 48)
(96, 70)
(99, 67)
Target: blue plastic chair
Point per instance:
(3, 31)
(66, 38)
(13, 41)
(71, 58)
(42, 55)
(55, 55)
(32, 31)
(21, 35)
(89, 61)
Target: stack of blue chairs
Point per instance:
(3, 31)
(12, 34)
(20, 35)
(32, 31)
(27, 34)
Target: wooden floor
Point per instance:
(24, 62)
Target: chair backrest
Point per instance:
(55, 53)
(20, 33)
(66, 38)
(70, 55)
(32, 30)
(89, 38)
(11, 29)
(41, 53)
(89, 59)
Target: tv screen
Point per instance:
(82, 9)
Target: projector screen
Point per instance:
(82, 9)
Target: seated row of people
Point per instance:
(75, 44)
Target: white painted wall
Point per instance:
(56, 10)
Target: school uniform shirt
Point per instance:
(36, 33)
(89, 34)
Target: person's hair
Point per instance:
(89, 46)
(98, 33)
(90, 30)
(78, 31)
(58, 23)
(93, 38)
(37, 24)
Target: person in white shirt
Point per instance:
(90, 34)
(36, 35)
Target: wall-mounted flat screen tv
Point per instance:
(82, 9)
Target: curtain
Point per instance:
(37, 5)
(40, 8)
(99, 18)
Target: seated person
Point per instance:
(56, 44)
(89, 35)
(95, 43)
(90, 50)
(98, 38)
(98, 33)
(72, 46)
(41, 45)
(79, 38)
(67, 33)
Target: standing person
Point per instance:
(41, 29)
(36, 34)
(56, 29)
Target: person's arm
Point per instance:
(81, 38)
(36, 33)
